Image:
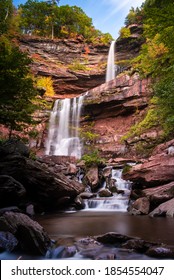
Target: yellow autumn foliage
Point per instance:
(47, 84)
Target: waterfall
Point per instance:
(117, 202)
(63, 134)
(110, 72)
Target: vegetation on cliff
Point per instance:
(156, 60)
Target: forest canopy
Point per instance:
(47, 19)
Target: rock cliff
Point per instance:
(74, 65)
(113, 108)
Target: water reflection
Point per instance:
(81, 224)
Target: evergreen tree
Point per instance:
(16, 87)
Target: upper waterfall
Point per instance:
(110, 72)
(63, 135)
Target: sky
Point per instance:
(107, 15)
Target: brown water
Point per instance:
(68, 227)
(82, 224)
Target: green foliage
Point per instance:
(16, 87)
(89, 136)
(164, 90)
(77, 65)
(135, 16)
(6, 11)
(45, 18)
(156, 59)
(151, 120)
(124, 32)
(93, 159)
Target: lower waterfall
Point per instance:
(63, 134)
(118, 202)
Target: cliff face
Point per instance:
(74, 66)
(113, 108)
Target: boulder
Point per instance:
(164, 209)
(158, 170)
(163, 251)
(105, 193)
(15, 147)
(92, 177)
(137, 244)
(11, 191)
(112, 238)
(107, 171)
(31, 236)
(8, 241)
(140, 206)
(159, 194)
(43, 187)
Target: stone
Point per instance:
(15, 147)
(164, 209)
(136, 244)
(79, 203)
(11, 191)
(105, 193)
(31, 236)
(43, 187)
(140, 207)
(8, 241)
(112, 238)
(92, 177)
(107, 171)
(159, 194)
(72, 169)
(157, 170)
(163, 251)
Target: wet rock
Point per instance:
(30, 210)
(72, 169)
(164, 209)
(107, 171)
(11, 191)
(92, 177)
(112, 238)
(79, 203)
(31, 236)
(140, 206)
(8, 241)
(159, 194)
(162, 251)
(137, 245)
(87, 195)
(105, 193)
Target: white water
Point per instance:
(117, 202)
(110, 72)
(63, 134)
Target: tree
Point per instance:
(35, 17)
(157, 58)
(6, 12)
(16, 87)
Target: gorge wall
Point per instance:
(73, 65)
(112, 109)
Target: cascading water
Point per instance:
(63, 135)
(110, 72)
(118, 202)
